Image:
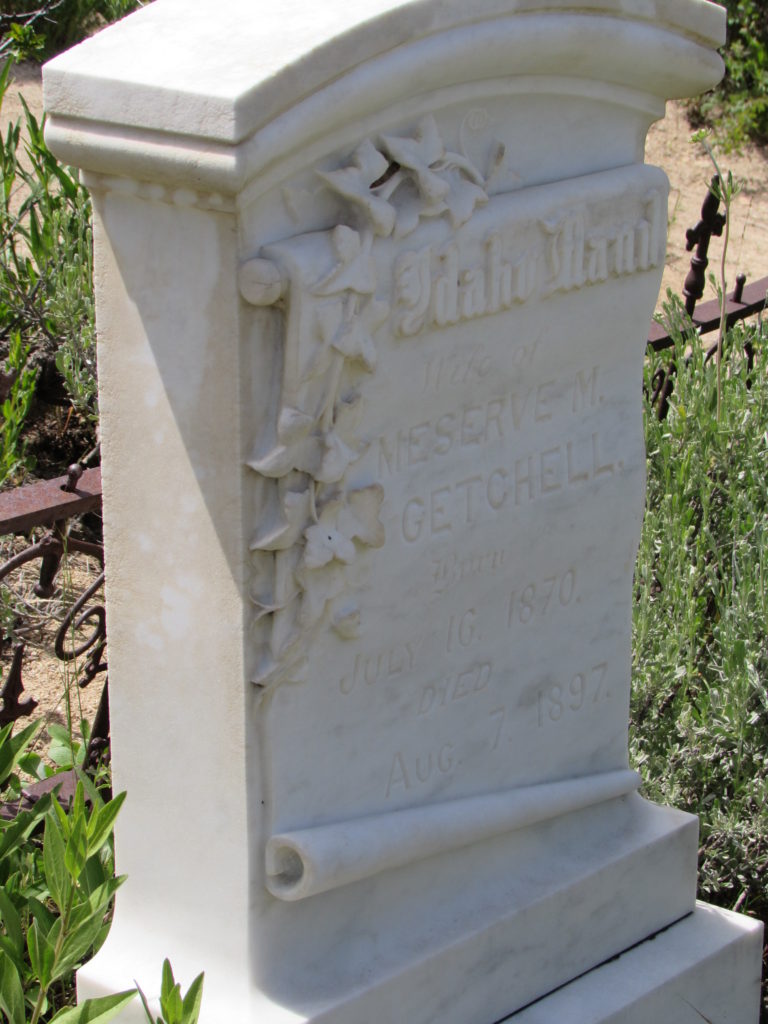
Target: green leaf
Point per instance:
(95, 1011)
(145, 1004)
(170, 995)
(78, 804)
(102, 822)
(96, 902)
(41, 953)
(11, 921)
(11, 992)
(193, 1000)
(172, 1005)
(76, 945)
(168, 981)
(54, 867)
(76, 852)
(13, 834)
(12, 747)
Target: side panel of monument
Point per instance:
(372, 304)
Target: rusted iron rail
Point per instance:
(745, 300)
(49, 501)
(53, 503)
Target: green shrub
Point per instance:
(46, 280)
(699, 704)
(40, 29)
(738, 106)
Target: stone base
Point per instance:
(704, 968)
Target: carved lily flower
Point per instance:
(354, 183)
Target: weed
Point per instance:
(700, 653)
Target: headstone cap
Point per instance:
(218, 70)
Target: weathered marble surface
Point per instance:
(705, 964)
(372, 298)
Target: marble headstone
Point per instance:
(373, 289)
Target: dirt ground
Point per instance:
(668, 146)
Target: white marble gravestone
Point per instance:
(373, 288)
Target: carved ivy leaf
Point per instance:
(462, 198)
(283, 534)
(346, 622)
(444, 181)
(330, 547)
(326, 541)
(340, 447)
(338, 456)
(348, 326)
(303, 455)
(354, 183)
(293, 425)
(355, 270)
(359, 518)
(321, 586)
(417, 155)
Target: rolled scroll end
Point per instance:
(286, 872)
(313, 860)
(261, 282)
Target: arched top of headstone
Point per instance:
(236, 85)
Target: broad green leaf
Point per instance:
(193, 1000)
(56, 876)
(41, 913)
(168, 981)
(61, 814)
(76, 945)
(102, 822)
(10, 918)
(12, 747)
(95, 1011)
(12, 953)
(78, 804)
(145, 1004)
(172, 1005)
(76, 852)
(95, 902)
(14, 833)
(11, 993)
(41, 953)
